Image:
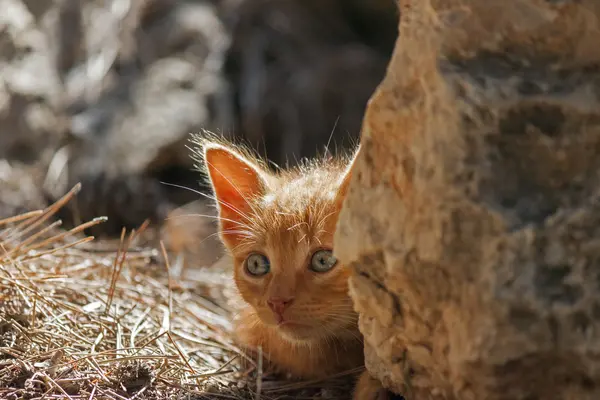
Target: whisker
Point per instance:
(284, 213)
(331, 135)
(353, 332)
(298, 224)
(212, 198)
(209, 216)
(247, 240)
(342, 313)
(342, 320)
(322, 219)
(185, 188)
(246, 234)
(322, 231)
(246, 199)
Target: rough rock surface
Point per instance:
(107, 93)
(150, 74)
(162, 80)
(30, 89)
(473, 218)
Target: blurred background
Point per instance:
(107, 92)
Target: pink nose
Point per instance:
(279, 305)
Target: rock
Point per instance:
(472, 221)
(162, 82)
(20, 189)
(149, 76)
(30, 118)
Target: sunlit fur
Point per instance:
(286, 216)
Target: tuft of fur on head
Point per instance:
(287, 215)
(206, 139)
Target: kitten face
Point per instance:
(286, 247)
(279, 230)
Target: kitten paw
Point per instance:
(369, 388)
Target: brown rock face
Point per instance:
(473, 218)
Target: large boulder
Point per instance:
(31, 122)
(148, 75)
(473, 216)
(107, 95)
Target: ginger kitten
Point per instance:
(278, 228)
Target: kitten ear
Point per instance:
(236, 181)
(345, 180)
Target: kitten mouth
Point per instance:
(286, 323)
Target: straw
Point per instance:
(76, 323)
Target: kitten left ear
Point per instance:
(236, 181)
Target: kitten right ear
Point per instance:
(235, 181)
(345, 180)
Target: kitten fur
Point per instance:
(287, 216)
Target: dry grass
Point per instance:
(77, 322)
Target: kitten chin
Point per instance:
(299, 333)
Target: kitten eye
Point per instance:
(257, 264)
(322, 261)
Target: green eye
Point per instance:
(322, 261)
(257, 264)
